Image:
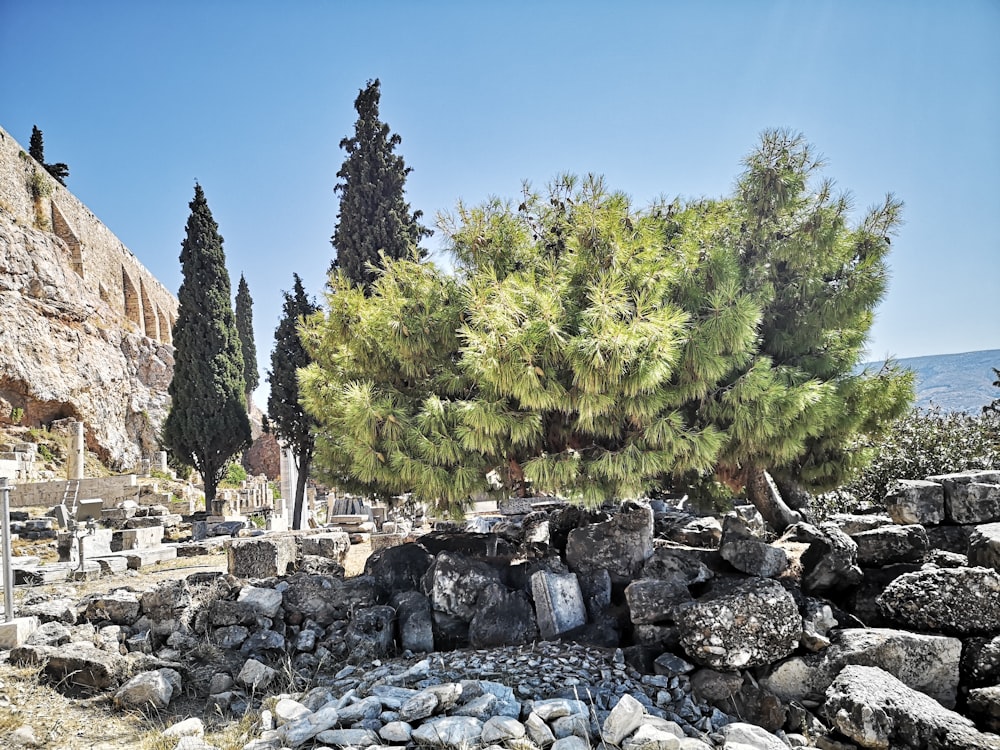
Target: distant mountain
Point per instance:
(955, 382)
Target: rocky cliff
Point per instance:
(84, 328)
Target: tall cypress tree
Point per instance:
(36, 150)
(244, 327)
(374, 216)
(288, 419)
(208, 421)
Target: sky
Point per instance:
(252, 98)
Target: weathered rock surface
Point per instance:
(876, 710)
(957, 601)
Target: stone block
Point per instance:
(142, 538)
(887, 545)
(144, 522)
(384, 541)
(559, 603)
(912, 501)
(984, 546)
(972, 503)
(16, 632)
(112, 564)
(331, 544)
(96, 543)
(264, 557)
(138, 558)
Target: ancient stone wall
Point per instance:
(31, 197)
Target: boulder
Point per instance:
(652, 601)
(984, 546)
(621, 545)
(955, 601)
(983, 706)
(77, 663)
(120, 607)
(980, 665)
(558, 603)
(324, 599)
(862, 601)
(260, 557)
(875, 710)
(740, 624)
(949, 538)
(915, 501)
(830, 562)
(927, 663)
(503, 618)
(449, 732)
(262, 601)
(453, 582)
(971, 497)
(749, 554)
(153, 689)
(370, 634)
(681, 564)
(333, 545)
(413, 621)
(887, 545)
(255, 675)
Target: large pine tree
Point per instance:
(374, 216)
(208, 421)
(288, 419)
(244, 327)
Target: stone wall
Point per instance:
(85, 329)
(112, 490)
(133, 297)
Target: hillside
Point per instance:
(955, 382)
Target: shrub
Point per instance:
(923, 443)
(234, 476)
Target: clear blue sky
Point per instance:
(252, 98)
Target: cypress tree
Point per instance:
(374, 217)
(287, 418)
(207, 423)
(36, 149)
(244, 327)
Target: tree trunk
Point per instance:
(763, 493)
(302, 462)
(211, 487)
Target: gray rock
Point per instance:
(264, 602)
(263, 642)
(120, 607)
(307, 726)
(749, 554)
(554, 708)
(915, 501)
(230, 636)
(78, 663)
(370, 634)
(453, 584)
(956, 601)
(875, 710)
(362, 710)
(538, 731)
(414, 622)
(503, 617)
(621, 545)
(650, 737)
(971, 497)
(192, 727)
(396, 732)
(891, 544)
(255, 675)
(983, 706)
(830, 563)
(260, 557)
(984, 546)
(50, 610)
(450, 732)
(679, 564)
(652, 601)
(571, 742)
(400, 568)
(349, 737)
(149, 689)
(559, 603)
(927, 663)
(500, 729)
(740, 624)
(324, 600)
(52, 633)
(333, 545)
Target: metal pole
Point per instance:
(8, 570)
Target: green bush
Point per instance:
(923, 443)
(235, 475)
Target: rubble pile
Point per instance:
(637, 627)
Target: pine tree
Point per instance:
(287, 418)
(374, 217)
(544, 366)
(796, 409)
(244, 327)
(36, 149)
(207, 423)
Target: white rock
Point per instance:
(263, 601)
(624, 719)
(741, 736)
(193, 727)
(502, 728)
(286, 710)
(453, 732)
(148, 689)
(396, 731)
(255, 675)
(573, 742)
(538, 731)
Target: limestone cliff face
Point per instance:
(84, 328)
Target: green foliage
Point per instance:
(16, 415)
(38, 185)
(923, 443)
(235, 475)
(46, 452)
(244, 327)
(287, 418)
(374, 217)
(36, 149)
(591, 349)
(208, 421)
(994, 406)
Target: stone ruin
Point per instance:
(636, 627)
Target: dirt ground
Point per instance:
(62, 722)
